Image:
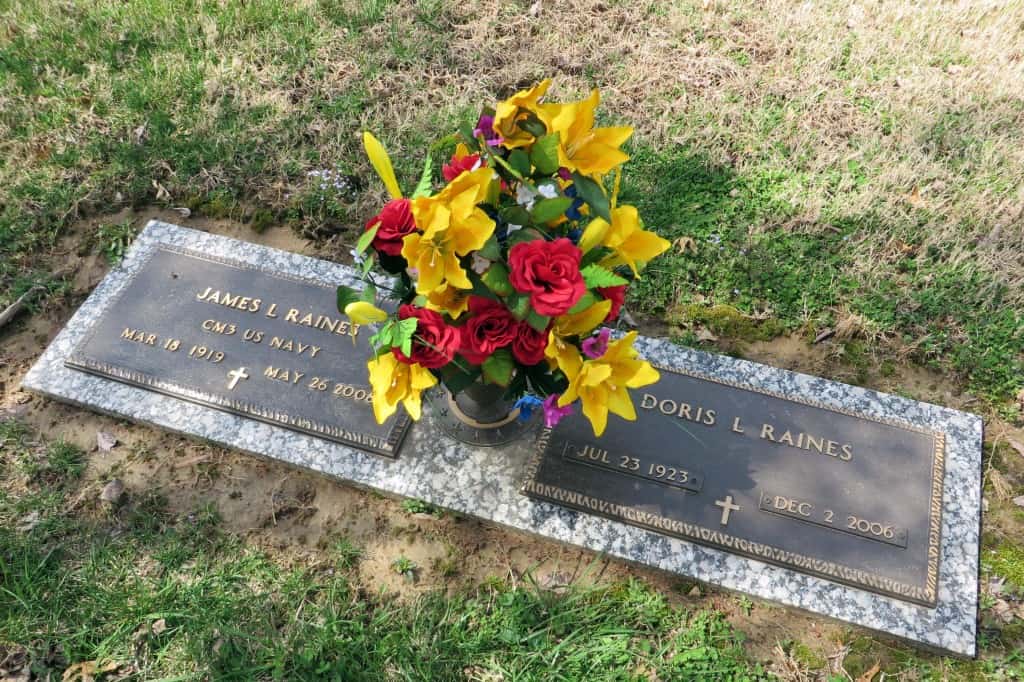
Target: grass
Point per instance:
(152, 594)
(831, 164)
(819, 165)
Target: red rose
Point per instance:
(549, 272)
(490, 326)
(395, 223)
(435, 342)
(452, 170)
(617, 295)
(529, 344)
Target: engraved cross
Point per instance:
(727, 507)
(235, 375)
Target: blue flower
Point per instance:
(573, 213)
(526, 405)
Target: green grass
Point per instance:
(952, 315)
(226, 107)
(172, 595)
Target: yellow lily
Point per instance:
(448, 299)
(382, 164)
(393, 382)
(452, 226)
(630, 243)
(582, 147)
(507, 115)
(584, 322)
(361, 312)
(562, 354)
(601, 384)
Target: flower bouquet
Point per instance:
(507, 276)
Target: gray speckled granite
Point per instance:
(485, 482)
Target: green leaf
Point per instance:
(367, 264)
(533, 125)
(491, 250)
(518, 305)
(524, 235)
(369, 294)
(544, 155)
(594, 255)
(496, 279)
(402, 336)
(479, 288)
(549, 209)
(346, 295)
(520, 162)
(591, 192)
(466, 130)
(366, 238)
(588, 299)
(423, 188)
(515, 215)
(456, 378)
(595, 276)
(383, 338)
(498, 367)
(537, 321)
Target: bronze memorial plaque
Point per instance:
(245, 340)
(839, 495)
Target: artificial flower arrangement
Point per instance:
(509, 274)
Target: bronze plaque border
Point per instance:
(79, 361)
(926, 595)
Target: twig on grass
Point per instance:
(13, 309)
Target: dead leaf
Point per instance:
(1003, 611)
(198, 459)
(825, 333)
(161, 191)
(1000, 485)
(535, 9)
(183, 211)
(1016, 446)
(870, 673)
(86, 671)
(112, 491)
(705, 335)
(159, 626)
(685, 244)
(914, 198)
(105, 441)
(29, 521)
(139, 134)
(1019, 501)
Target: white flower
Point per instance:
(512, 228)
(525, 196)
(547, 190)
(358, 258)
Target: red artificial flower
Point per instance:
(435, 341)
(549, 272)
(490, 326)
(395, 223)
(458, 164)
(617, 295)
(529, 344)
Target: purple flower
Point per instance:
(552, 412)
(485, 127)
(595, 346)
